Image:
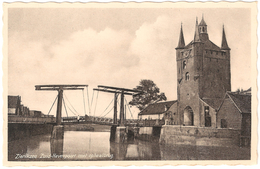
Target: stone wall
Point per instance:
(190, 135)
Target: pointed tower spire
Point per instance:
(197, 36)
(224, 45)
(202, 22)
(181, 40)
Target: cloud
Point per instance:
(154, 44)
(108, 57)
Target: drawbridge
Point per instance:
(89, 118)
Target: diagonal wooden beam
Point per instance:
(118, 88)
(111, 91)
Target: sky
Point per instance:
(113, 47)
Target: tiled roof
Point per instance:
(207, 44)
(12, 101)
(157, 108)
(241, 101)
(214, 103)
(210, 45)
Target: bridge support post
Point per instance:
(122, 119)
(57, 132)
(59, 107)
(113, 133)
(115, 110)
(121, 134)
(118, 134)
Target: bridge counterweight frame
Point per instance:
(60, 89)
(122, 91)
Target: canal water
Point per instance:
(85, 145)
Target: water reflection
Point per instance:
(135, 150)
(80, 145)
(189, 152)
(56, 147)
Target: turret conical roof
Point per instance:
(196, 36)
(224, 45)
(181, 43)
(202, 22)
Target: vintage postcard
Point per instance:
(103, 84)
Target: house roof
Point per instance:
(241, 101)
(157, 108)
(12, 101)
(248, 91)
(214, 103)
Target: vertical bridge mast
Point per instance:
(116, 91)
(60, 89)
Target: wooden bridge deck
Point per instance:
(82, 120)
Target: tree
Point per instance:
(150, 94)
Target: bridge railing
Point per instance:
(150, 123)
(99, 120)
(24, 119)
(109, 121)
(73, 119)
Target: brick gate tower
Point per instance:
(203, 77)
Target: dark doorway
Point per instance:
(188, 119)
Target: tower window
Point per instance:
(207, 117)
(187, 76)
(211, 52)
(184, 64)
(216, 53)
(223, 123)
(203, 29)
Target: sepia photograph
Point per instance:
(133, 82)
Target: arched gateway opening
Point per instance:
(188, 119)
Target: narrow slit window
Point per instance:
(187, 76)
(184, 64)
